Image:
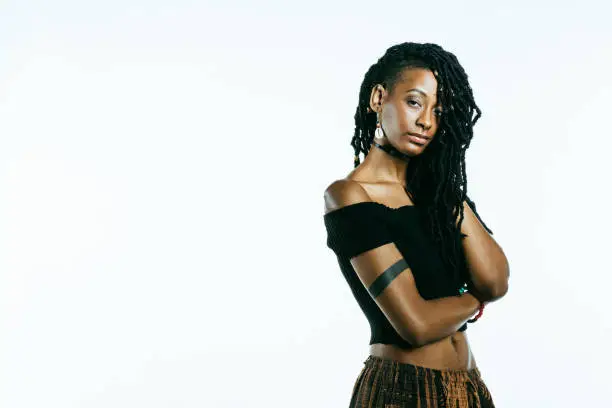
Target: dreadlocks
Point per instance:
(436, 179)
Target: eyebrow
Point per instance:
(419, 91)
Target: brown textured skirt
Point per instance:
(390, 384)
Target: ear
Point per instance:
(377, 98)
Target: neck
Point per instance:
(387, 162)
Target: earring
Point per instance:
(379, 133)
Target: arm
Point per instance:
(389, 280)
(445, 316)
(487, 263)
(426, 321)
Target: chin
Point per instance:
(409, 147)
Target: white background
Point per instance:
(161, 197)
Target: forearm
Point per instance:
(487, 264)
(444, 316)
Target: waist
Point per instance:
(452, 352)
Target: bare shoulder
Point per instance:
(344, 192)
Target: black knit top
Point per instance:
(363, 226)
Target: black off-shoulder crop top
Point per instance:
(359, 227)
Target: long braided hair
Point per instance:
(436, 179)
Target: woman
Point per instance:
(409, 241)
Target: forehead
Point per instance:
(419, 78)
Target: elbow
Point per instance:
(419, 341)
(494, 286)
(416, 335)
(500, 289)
(496, 290)
(412, 338)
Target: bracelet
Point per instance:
(480, 310)
(463, 290)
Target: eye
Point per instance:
(416, 103)
(438, 112)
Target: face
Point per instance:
(410, 108)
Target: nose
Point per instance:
(425, 119)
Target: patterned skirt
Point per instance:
(390, 384)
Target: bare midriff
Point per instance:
(451, 352)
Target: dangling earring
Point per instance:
(379, 132)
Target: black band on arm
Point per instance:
(382, 281)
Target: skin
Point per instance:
(412, 107)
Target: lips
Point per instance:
(417, 138)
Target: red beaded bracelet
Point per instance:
(480, 310)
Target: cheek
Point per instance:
(436, 125)
(407, 118)
(397, 118)
(390, 118)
